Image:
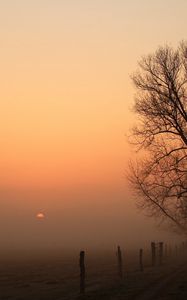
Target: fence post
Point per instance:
(183, 246)
(120, 267)
(166, 251)
(153, 253)
(82, 272)
(176, 250)
(161, 253)
(170, 250)
(141, 259)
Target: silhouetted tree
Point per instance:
(159, 178)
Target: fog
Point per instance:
(92, 218)
(66, 98)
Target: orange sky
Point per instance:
(66, 95)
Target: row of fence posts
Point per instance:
(82, 272)
(154, 247)
(157, 255)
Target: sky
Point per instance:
(66, 102)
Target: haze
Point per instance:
(65, 103)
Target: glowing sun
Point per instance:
(40, 216)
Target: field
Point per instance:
(57, 277)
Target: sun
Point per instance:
(40, 216)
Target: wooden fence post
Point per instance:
(170, 250)
(183, 246)
(161, 253)
(141, 259)
(153, 253)
(120, 265)
(176, 250)
(166, 251)
(82, 272)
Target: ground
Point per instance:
(58, 279)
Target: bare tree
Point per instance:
(160, 177)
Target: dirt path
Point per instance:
(170, 286)
(161, 283)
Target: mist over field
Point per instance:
(90, 219)
(69, 224)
